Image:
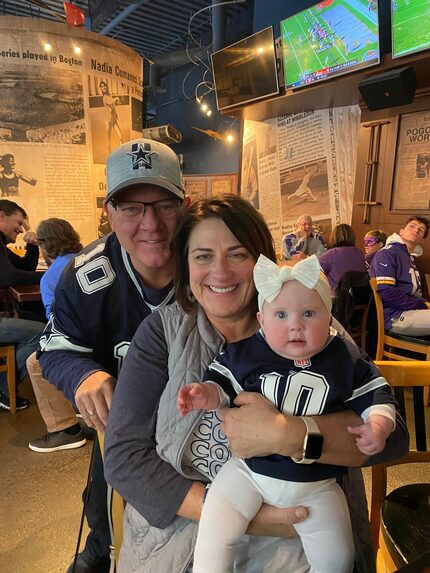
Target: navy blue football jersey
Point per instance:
(337, 378)
(99, 303)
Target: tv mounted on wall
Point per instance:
(246, 70)
(410, 27)
(330, 38)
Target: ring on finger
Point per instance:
(92, 412)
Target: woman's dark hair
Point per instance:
(342, 236)
(57, 237)
(244, 221)
(422, 220)
(103, 83)
(4, 160)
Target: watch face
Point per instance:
(313, 446)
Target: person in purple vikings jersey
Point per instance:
(399, 282)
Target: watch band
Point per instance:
(311, 428)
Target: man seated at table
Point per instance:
(15, 270)
(304, 242)
(399, 282)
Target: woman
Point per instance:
(112, 122)
(373, 242)
(216, 303)
(9, 176)
(342, 255)
(59, 243)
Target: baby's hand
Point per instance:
(192, 397)
(370, 438)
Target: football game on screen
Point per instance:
(330, 38)
(410, 25)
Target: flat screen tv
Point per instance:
(245, 71)
(410, 26)
(328, 39)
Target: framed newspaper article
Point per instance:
(411, 184)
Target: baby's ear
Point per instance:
(260, 319)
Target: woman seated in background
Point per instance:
(342, 256)
(160, 462)
(59, 243)
(373, 242)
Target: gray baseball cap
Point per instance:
(143, 161)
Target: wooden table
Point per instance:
(26, 293)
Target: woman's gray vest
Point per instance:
(193, 344)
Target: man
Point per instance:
(399, 282)
(304, 242)
(15, 270)
(101, 299)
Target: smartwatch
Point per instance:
(312, 444)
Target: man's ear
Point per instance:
(108, 211)
(187, 201)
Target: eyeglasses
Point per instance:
(370, 241)
(134, 211)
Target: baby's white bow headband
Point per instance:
(269, 278)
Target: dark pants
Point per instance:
(98, 540)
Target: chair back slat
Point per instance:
(419, 418)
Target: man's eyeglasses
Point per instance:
(370, 241)
(135, 210)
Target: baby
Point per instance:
(301, 365)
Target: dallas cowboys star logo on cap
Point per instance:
(141, 155)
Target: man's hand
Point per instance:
(94, 397)
(30, 238)
(299, 256)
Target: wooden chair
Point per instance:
(117, 507)
(392, 345)
(396, 346)
(351, 303)
(7, 356)
(400, 521)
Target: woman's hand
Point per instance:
(269, 520)
(258, 429)
(276, 522)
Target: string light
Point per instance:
(77, 50)
(229, 138)
(47, 47)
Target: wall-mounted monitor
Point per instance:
(410, 26)
(328, 39)
(245, 71)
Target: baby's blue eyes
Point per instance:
(281, 314)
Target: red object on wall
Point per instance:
(74, 15)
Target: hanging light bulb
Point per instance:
(229, 138)
(209, 112)
(204, 106)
